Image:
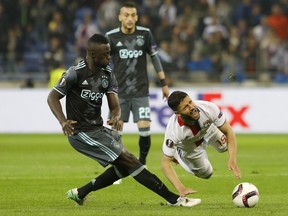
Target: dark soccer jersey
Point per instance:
(84, 91)
(129, 60)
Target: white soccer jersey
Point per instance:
(186, 141)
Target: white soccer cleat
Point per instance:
(73, 195)
(186, 202)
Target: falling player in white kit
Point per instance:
(194, 126)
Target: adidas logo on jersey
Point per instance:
(85, 82)
(119, 44)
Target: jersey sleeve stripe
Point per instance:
(142, 28)
(58, 91)
(80, 65)
(113, 92)
(113, 31)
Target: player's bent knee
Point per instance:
(206, 176)
(127, 161)
(121, 173)
(223, 149)
(204, 173)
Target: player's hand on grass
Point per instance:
(67, 127)
(185, 191)
(232, 166)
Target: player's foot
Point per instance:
(186, 202)
(119, 181)
(73, 195)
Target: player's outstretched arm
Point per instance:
(232, 149)
(232, 166)
(169, 171)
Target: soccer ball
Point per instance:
(245, 195)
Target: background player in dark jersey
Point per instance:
(129, 46)
(84, 86)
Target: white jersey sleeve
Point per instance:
(170, 139)
(213, 112)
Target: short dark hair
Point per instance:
(98, 38)
(175, 99)
(128, 4)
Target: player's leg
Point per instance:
(126, 107)
(141, 115)
(129, 162)
(144, 140)
(197, 164)
(107, 178)
(103, 146)
(125, 164)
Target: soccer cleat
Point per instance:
(186, 202)
(73, 195)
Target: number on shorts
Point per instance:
(144, 112)
(222, 140)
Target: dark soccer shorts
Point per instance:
(140, 108)
(103, 144)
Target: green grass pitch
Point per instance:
(36, 171)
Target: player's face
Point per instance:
(99, 54)
(128, 18)
(188, 110)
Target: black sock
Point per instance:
(105, 179)
(152, 182)
(144, 144)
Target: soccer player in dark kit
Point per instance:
(84, 86)
(129, 46)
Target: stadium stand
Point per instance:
(210, 41)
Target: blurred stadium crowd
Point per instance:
(207, 40)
